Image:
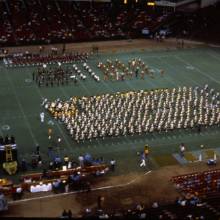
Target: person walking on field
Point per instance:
(143, 160)
(42, 117)
(50, 133)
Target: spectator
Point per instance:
(23, 165)
(155, 205)
(143, 160)
(112, 163)
(6, 139)
(64, 214)
(12, 140)
(1, 140)
(37, 149)
(182, 149)
(70, 214)
(81, 161)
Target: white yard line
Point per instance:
(57, 124)
(21, 108)
(197, 69)
(214, 56)
(17, 117)
(1, 132)
(176, 70)
(77, 192)
(165, 76)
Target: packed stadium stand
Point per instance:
(69, 21)
(152, 90)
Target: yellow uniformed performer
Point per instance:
(146, 150)
(50, 133)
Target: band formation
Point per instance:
(129, 113)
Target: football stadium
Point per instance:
(110, 109)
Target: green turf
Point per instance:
(190, 157)
(209, 154)
(20, 107)
(165, 160)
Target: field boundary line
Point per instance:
(21, 108)
(80, 191)
(198, 69)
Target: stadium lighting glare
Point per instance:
(151, 3)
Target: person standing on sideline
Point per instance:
(146, 152)
(81, 160)
(42, 117)
(143, 160)
(50, 133)
(182, 149)
(37, 149)
(112, 163)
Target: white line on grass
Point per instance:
(176, 70)
(57, 124)
(16, 117)
(165, 76)
(198, 70)
(214, 56)
(1, 132)
(77, 192)
(21, 108)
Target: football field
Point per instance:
(21, 98)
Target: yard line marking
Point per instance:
(80, 191)
(16, 117)
(176, 142)
(57, 124)
(1, 132)
(198, 70)
(214, 56)
(176, 70)
(21, 108)
(165, 77)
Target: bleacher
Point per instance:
(43, 21)
(201, 183)
(167, 211)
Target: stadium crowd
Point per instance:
(183, 208)
(139, 112)
(67, 21)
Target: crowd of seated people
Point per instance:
(183, 208)
(22, 22)
(63, 173)
(202, 24)
(68, 21)
(6, 29)
(200, 183)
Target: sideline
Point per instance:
(80, 191)
(214, 45)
